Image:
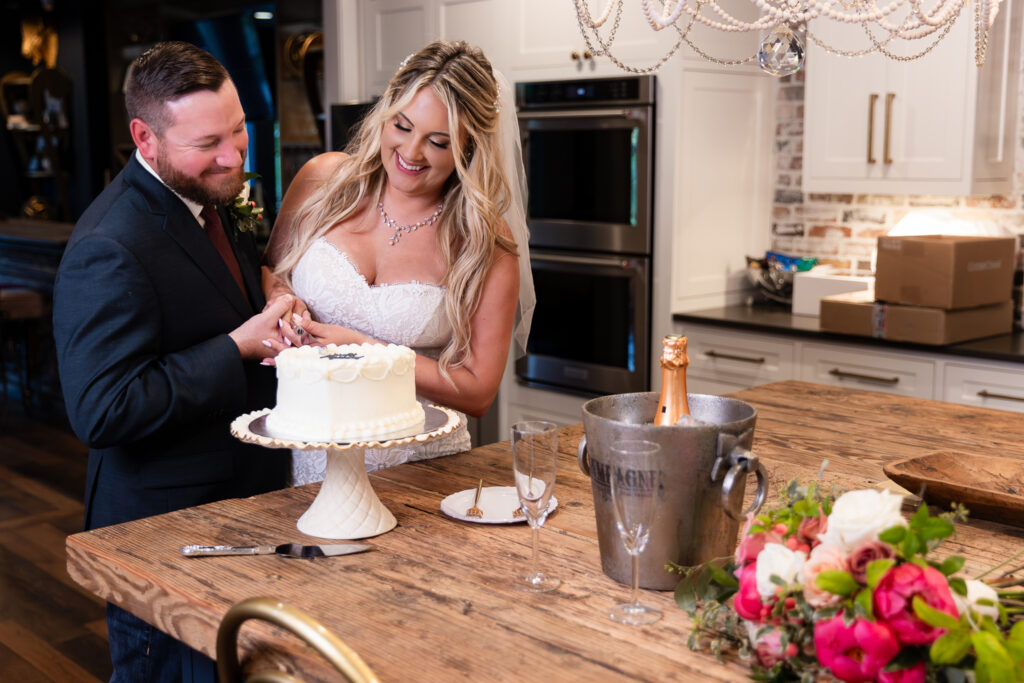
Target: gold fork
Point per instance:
(475, 511)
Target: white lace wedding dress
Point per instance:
(410, 314)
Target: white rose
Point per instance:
(977, 590)
(859, 516)
(244, 194)
(777, 560)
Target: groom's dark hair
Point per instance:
(164, 73)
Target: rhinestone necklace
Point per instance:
(399, 229)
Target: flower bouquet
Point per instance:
(842, 586)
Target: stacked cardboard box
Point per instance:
(932, 289)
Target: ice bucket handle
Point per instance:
(582, 459)
(743, 462)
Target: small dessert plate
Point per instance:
(498, 503)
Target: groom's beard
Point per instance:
(215, 189)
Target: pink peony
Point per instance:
(810, 527)
(914, 674)
(748, 601)
(857, 652)
(866, 553)
(824, 557)
(894, 601)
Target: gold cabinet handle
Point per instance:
(842, 374)
(587, 55)
(985, 393)
(872, 98)
(886, 157)
(575, 56)
(728, 356)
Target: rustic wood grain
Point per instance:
(433, 600)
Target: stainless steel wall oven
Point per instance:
(588, 150)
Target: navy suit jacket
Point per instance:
(142, 307)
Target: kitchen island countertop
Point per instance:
(778, 319)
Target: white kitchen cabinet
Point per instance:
(722, 361)
(722, 156)
(392, 29)
(853, 367)
(934, 125)
(521, 402)
(991, 385)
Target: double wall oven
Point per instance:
(588, 149)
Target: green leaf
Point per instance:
(932, 616)
(865, 601)
(1017, 633)
(893, 535)
(920, 516)
(951, 648)
(994, 662)
(912, 545)
(836, 581)
(935, 527)
(250, 176)
(958, 586)
(951, 565)
(722, 577)
(686, 596)
(876, 569)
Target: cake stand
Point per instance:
(346, 506)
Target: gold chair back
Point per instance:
(313, 633)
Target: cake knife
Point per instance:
(285, 550)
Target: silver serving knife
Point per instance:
(285, 550)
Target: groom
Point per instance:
(159, 329)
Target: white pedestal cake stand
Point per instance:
(346, 507)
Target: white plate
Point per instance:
(498, 503)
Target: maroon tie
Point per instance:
(215, 231)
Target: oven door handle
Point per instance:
(582, 113)
(614, 261)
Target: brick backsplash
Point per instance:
(841, 229)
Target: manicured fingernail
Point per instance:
(296, 317)
(287, 341)
(267, 361)
(266, 343)
(280, 323)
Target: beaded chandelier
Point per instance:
(785, 25)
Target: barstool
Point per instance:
(22, 313)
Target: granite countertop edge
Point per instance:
(778, 319)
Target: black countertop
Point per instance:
(778, 319)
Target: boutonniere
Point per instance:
(245, 212)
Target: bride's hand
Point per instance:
(321, 334)
(289, 335)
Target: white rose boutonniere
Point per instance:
(245, 212)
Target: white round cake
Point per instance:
(353, 392)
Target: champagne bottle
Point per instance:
(672, 404)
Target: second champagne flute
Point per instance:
(635, 479)
(534, 458)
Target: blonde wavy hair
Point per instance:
(475, 196)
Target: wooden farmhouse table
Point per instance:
(433, 601)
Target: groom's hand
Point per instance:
(253, 335)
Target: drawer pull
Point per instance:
(842, 374)
(985, 393)
(728, 356)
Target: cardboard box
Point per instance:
(945, 271)
(859, 314)
(810, 286)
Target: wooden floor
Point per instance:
(50, 630)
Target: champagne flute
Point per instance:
(635, 478)
(534, 455)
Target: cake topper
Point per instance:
(340, 356)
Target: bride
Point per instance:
(415, 236)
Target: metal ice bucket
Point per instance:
(704, 476)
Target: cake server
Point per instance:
(285, 550)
